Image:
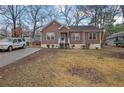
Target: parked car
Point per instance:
(119, 43)
(12, 43)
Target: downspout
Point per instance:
(84, 33)
(59, 36)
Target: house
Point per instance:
(56, 35)
(114, 37)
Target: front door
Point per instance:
(63, 40)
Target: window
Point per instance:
(50, 36)
(6, 40)
(75, 36)
(19, 40)
(92, 35)
(14, 40)
(23, 39)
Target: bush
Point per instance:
(48, 46)
(83, 46)
(73, 46)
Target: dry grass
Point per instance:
(50, 67)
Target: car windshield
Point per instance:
(6, 40)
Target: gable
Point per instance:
(52, 27)
(54, 24)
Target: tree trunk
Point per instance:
(34, 29)
(14, 28)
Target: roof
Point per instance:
(119, 34)
(80, 28)
(73, 28)
(55, 22)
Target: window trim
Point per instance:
(74, 39)
(92, 36)
(50, 36)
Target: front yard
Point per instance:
(67, 67)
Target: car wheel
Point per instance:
(10, 48)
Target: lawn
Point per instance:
(67, 67)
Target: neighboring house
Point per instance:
(112, 38)
(56, 35)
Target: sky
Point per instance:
(84, 22)
(119, 20)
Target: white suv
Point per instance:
(12, 43)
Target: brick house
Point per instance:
(56, 35)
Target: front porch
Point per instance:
(64, 40)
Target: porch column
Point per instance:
(84, 40)
(59, 36)
(68, 38)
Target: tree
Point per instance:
(12, 13)
(80, 13)
(65, 13)
(52, 13)
(5, 24)
(105, 16)
(122, 8)
(36, 16)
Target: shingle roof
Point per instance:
(81, 28)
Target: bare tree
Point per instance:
(65, 13)
(51, 13)
(5, 24)
(122, 8)
(36, 17)
(80, 13)
(104, 15)
(12, 12)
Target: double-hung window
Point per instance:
(75, 36)
(50, 36)
(92, 35)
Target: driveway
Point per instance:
(10, 57)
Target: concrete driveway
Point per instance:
(10, 57)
